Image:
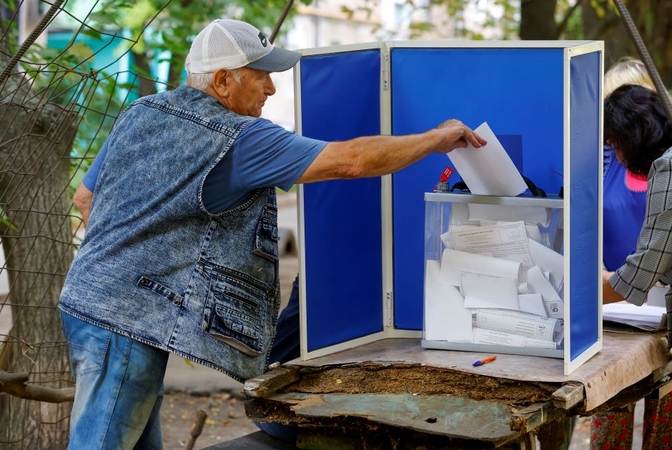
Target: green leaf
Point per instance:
(80, 51)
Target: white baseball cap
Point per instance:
(230, 44)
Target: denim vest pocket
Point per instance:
(233, 312)
(158, 288)
(266, 241)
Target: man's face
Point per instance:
(248, 96)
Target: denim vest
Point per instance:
(155, 265)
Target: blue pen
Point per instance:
(480, 362)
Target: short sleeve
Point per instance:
(91, 175)
(264, 155)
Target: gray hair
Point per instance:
(202, 81)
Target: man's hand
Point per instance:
(458, 135)
(82, 200)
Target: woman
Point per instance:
(624, 199)
(637, 127)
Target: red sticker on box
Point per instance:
(447, 172)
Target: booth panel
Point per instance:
(342, 243)
(518, 92)
(585, 148)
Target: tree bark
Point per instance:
(35, 142)
(661, 40)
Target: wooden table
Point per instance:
(395, 394)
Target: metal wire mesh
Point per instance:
(55, 112)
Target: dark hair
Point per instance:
(636, 123)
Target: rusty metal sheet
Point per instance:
(453, 417)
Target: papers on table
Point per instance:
(646, 317)
(488, 170)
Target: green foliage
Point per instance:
(9, 31)
(599, 8)
(159, 25)
(66, 77)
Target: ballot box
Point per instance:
(362, 249)
(494, 274)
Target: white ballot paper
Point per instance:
(521, 323)
(488, 170)
(549, 261)
(454, 261)
(541, 285)
(483, 336)
(533, 304)
(528, 214)
(481, 290)
(446, 318)
(506, 240)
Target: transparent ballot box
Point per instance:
(494, 274)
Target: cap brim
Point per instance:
(278, 60)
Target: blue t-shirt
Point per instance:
(264, 155)
(624, 211)
(91, 175)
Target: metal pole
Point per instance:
(44, 21)
(646, 57)
(282, 18)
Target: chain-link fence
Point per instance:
(56, 107)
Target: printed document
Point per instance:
(506, 240)
(488, 170)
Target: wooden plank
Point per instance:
(270, 382)
(569, 395)
(535, 416)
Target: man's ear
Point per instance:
(220, 81)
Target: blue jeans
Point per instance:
(118, 389)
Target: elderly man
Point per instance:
(180, 253)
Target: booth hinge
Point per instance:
(386, 71)
(389, 308)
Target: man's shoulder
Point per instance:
(178, 95)
(262, 125)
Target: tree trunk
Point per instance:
(35, 143)
(653, 19)
(537, 19)
(661, 40)
(147, 83)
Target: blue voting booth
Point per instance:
(361, 241)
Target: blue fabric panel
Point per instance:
(517, 91)
(340, 96)
(585, 148)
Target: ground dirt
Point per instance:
(225, 419)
